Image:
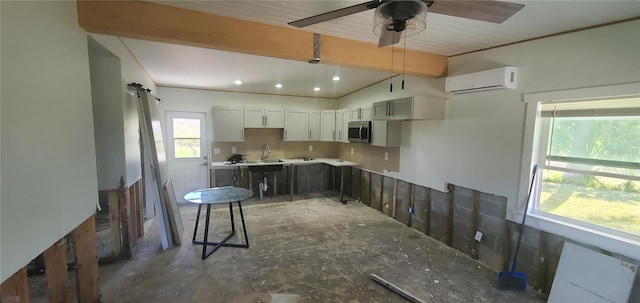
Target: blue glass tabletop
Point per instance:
(218, 195)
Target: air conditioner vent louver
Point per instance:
(499, 78)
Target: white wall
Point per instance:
(423, 146)
(485, 131)
(48, 156)
(479, 145)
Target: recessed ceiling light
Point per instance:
(238, 82)
(279, 85)
(336, 78)
(316, 88)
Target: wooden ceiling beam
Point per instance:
(156, 22)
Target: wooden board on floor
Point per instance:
(177, 229)
(84, 237)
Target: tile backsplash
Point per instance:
(369, 157)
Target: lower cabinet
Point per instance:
(309, 178)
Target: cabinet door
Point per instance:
(314, 125)
(401, 108)
(328, 125)
(385, 133)
(355, 114)
(253, 117)
(344, 128)
(296, 125)
(381, 110)
(228, 124)
(365, 113)
(274, 118)
(338, 125)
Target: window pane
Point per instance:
(605, 201)
(187, 148)
(604, 138)
(186, 128)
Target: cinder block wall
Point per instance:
(453, 217)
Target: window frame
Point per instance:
(590, 234)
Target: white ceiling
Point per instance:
(183, 66)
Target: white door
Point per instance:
(328, 125)
(296, 125)
(187, 152)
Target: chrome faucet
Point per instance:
(268, 150)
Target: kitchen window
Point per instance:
(586, 143)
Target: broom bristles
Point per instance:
(512, 281)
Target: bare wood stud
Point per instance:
(427, 206)
(411, 204)
(394, 197)
(84, 237)
(15, 289)
(472, 244)
(55, 260)
(125, 215)
(450, 199)
(114, 222)
(140, 199)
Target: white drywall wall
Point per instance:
(485, 131)
(48, 154)
(423, 145)
(108, 111)
(479, 144)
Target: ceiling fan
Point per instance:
(393, 17)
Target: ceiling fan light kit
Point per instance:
(396, 18)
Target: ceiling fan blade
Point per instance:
(335, 14)
(388, 37)
(490, 11)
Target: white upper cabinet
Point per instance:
(385, 133)
(410, 108)
(314, 125)
(263, 118)
(361, 113)
(228, 125)
(296, 126)
(328, 126)
(343, 117)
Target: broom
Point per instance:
(512, 280)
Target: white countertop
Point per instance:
(287, 162)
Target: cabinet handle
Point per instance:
(391, 108)
(285, 134)
(242, 134)
(309, 134)
(340, 135)
(334, 135)
(266, 120)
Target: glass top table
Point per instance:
(218, 195)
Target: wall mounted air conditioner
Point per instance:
(499, 78)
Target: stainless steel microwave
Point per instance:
(360, 131)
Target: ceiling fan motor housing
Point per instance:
(399, 12)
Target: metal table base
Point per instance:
(205, 243)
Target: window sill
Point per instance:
(614, 243)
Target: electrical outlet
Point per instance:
(478, 236)
(216, 151)
(386, 155)
(352, 150)
(233, 149)
(310, 147)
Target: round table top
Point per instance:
(218, 195)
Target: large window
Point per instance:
(589, 155)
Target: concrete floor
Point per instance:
(310, 250)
